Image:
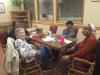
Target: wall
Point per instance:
(5, 17)
(92, 12)
(60, 29)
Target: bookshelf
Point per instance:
(23, 17)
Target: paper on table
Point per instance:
(47, 39)
(67, 41)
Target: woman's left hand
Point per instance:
(65, 57)
(37, 52)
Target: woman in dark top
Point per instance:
(13, 27)
(28, 39)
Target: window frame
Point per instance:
(55, 20)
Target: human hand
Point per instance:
(71, 49)
(37, 52)
(65, 58)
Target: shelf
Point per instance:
(21, 16)
(21, 20)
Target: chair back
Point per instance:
(84, 67)
(29, 68)
(53, 29)
(97, 59)
(76, 31)
(3, 40)
(3, 37)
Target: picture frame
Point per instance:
(2, 8)
(95, 0)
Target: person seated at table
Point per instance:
(27, 50)
(85, 49)
(27, 38)
(12, 31)
(70, 30)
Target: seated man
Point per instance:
(70, 30)
(27, 51)
(85, 49)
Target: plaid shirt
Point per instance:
(69, 32)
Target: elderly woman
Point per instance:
(85, 49)
(27, 51)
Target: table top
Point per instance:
(55, 44)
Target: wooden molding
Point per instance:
(5, 24)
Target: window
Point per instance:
(29, 5)
(55, 11)
(45, 10)
(70, 9)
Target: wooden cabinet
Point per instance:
(23, 17)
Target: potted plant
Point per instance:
(17, 3)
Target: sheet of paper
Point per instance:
(67, 41)
(47, 39)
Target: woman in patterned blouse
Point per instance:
(27, 51)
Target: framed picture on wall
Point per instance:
(95, 0)
(2, 9)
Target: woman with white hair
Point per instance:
(85, 49)
(27, 51)
(92, 26)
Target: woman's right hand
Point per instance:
(37, 52)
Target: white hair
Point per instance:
(93, 28)
(17, 31)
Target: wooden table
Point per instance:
(54, 44)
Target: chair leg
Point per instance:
(3, 47)
(40, 72)
(24, 73)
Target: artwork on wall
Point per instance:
(95, 0)
(2, 9)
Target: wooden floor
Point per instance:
(52, 65)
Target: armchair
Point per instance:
(86, 69)
(3, 40)
(30, 67)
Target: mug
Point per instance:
(62, 39)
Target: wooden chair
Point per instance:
(97, 59)
(86, 69)
(3, 40)
(30, 68)
(76, 31)
(3, 47)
